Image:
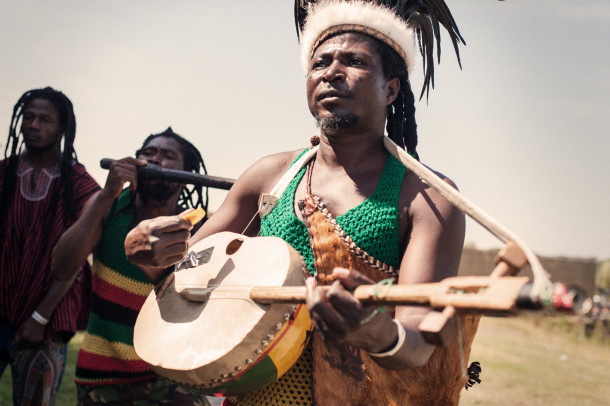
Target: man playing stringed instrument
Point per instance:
(108, 371)
(353, 211)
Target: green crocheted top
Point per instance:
(373, 224)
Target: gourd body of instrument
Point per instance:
(222, 342)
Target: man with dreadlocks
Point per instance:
(108, 371)
(42, 192)
(353, 211)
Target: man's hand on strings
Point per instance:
(158, 243)
(338, 316)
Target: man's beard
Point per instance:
(332, 124)
(33, 149)
(157, 191)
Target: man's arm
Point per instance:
(156, 244)
(434, 244)
(31, 332)
(73, 247)
(82, 237)
(433, 253)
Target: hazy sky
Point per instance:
(523, 129)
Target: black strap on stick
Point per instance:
(152, 171)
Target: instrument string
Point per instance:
(250, 223)
(210, 287)
(378, 296)
(458, 320)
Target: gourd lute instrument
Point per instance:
(200, 328)
(231, 318)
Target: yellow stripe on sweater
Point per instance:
(116, 279)
(99, 346)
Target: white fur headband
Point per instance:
(332, 17)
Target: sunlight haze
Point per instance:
(523, 128)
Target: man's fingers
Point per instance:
(164, 245)
(330, 324)
(315, 296)
(169, 238)
(345, 304)
(351, 279)
(148, 241)
(177, 249)
(167, 224)
(18, 339)
(122, 172)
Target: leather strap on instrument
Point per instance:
(269, 200)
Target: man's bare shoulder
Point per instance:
(265, 172)
(277, 161)
(417, 194)
(411, 180)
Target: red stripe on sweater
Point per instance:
(101, 363)
(108, 381)
(114, 294)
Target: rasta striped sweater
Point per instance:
(107, 356)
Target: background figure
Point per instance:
(107, 368)
(43, 190)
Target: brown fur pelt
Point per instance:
(329, 250)
(347, 376)
(439, 382)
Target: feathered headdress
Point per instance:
(397, 23)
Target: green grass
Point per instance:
(527, 360)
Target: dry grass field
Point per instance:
(527, 360)
(533, 360)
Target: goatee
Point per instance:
(157, 191)
(332, 124)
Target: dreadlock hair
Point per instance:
(14, 145)
(400, 122)
(193, 162)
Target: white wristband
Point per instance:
(402, 335)
(40, 318)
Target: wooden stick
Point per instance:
(151, 171)
(541, 279)
(469, 293)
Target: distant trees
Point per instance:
(602, 276)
